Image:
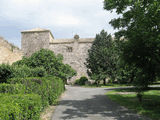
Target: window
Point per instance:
(69, 49)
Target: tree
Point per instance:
(139, 28)
(101, 60)
(53, 64)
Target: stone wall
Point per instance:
(74, 51)
(35, 39)
(8, 52)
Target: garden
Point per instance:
(30, 85)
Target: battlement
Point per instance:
(64, 41)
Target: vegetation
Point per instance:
(149, 106)
(101, 59)
(12, 88)
(5, 72)
(139, 30)
(48, 88)
(81, 81)
(20, 107)
(31, 84)
(52, 64)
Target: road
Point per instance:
(79, 103)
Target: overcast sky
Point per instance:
(63, 17)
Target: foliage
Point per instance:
(21, 71)
(127, 98)
(125, 73)
(48, 88)
(12, 88)
(101, 61)
(5, 72)
(10, 111)
(50, 62)
(139, 29)
(38, 72)
(81, 81)
(24, 71)
(20, 107)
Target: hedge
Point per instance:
(9, 111)
(81, 81)
(12, 88)
(49, 88)
(20, 107)
(24, 71)
(11, 71)
(5, 72)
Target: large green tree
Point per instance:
(101, 59)
(139, 27)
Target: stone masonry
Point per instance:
(74, 50)
(8, 52)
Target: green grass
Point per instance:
(150, 105)
(108, 85)
(116, 85)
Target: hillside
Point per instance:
(8, 52)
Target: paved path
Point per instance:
(79, 103)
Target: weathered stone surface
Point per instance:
(74, 51)
(35, 39)
(8, 52)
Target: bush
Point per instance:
(20, 107)
(52, 64)
(5, 72)
(24, 71)
(12, 88)
(21, 71)
(38, 72)
(48, 88)
(10, 111)
(81, 81)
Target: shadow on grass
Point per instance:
(150, 105)
(97, 106)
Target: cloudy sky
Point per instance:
(63, 17)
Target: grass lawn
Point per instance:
(149, 107)
(109, 85)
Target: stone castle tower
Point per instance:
(74, 51)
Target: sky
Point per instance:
(64, 18)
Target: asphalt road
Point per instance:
(79, 103)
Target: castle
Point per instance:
(74, 51)
(8, 52)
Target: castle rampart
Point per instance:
(8, 52)
(74, 51)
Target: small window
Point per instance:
(69, 49)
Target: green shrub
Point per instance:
(49, 88)
(20, 107)
(9, 111)
(24, 71)
(81, 81)
(12, 88)
(21, 71)
(5, 72)
(38, 72)
(52, 64)
(15, 71)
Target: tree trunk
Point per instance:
(104, 81)
(139, 96)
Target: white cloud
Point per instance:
(64, 17)
(54, 12)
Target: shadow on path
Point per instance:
(95, 107)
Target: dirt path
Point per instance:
(79, 103)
